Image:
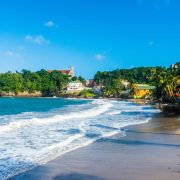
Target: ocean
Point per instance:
(34, 131)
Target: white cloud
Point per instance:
(51, 24)
(37, 39)
(11, 54)
(100, 57)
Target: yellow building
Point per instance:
(142, 90)
(177, 91)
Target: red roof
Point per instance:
(61, 71)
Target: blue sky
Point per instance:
(90, 35)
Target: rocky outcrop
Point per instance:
(22, 94)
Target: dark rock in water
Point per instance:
(170, 108)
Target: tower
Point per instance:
(72, 71)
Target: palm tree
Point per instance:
(165, 84)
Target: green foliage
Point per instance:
(48, 83)
(59, 82)
(80, 78)
(87, 93)
(134, 75)
(165, 80)
(113, 89)
(75, 78)
(83, 81)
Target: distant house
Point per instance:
(174, 66)
(125, 82)
(69, 71)
(142, 90)
(90, 83)
(75, 86)
(177, 91)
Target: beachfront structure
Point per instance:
(75, 86)
(142, 90)
(69, 71)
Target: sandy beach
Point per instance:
(148, 151)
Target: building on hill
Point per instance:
(174, 66)
(69, 71)
(142, 90)
(125, 82)
(90, 83)
(75, 86)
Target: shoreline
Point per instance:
(138, 101)
(103, 158)
(167, 109)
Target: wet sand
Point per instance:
(149, 151)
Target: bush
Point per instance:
(87, 93)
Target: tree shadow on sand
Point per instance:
(77, 176)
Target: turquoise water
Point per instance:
(19, 105)
(34, 131)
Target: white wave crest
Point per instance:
(114, 112)
(102, 106)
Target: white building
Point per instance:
(75, 86)
(125, 82)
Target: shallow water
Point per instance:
(34, 131)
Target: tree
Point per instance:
(83, 81)
(74, 78)
(47, 83)
(164, 79)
